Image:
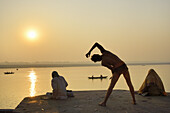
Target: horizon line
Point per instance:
(78, 64)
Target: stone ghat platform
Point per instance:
(120, 101)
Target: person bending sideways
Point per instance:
(117, 67)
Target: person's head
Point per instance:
(151, 70)
(96, 58)
(55, 74)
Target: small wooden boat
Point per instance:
(8, 72)
(101, 77)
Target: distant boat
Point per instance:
(8, 72)
(101, 77)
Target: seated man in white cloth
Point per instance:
(59, 85)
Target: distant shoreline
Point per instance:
(41, 65)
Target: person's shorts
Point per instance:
(120, 69)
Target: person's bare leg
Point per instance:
(128, 81)
(109, 91)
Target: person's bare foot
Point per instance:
(134, 103)
(102, 104)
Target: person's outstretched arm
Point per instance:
(95, 45)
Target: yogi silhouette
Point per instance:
(117, 67)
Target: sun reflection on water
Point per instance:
(33, 79)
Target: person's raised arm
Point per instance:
(95, 45)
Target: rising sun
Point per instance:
(32, 34)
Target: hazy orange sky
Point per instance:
(135, 30)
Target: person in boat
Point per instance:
(117, 67)
(153, 85)
(59, 85)
(101, 76)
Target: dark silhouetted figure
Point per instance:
(117, 67)
(153, 85)
(59, 85)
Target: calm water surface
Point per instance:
(37, 81)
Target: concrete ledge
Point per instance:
(120, 101)
(7, 111)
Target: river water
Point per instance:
(37, 81)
